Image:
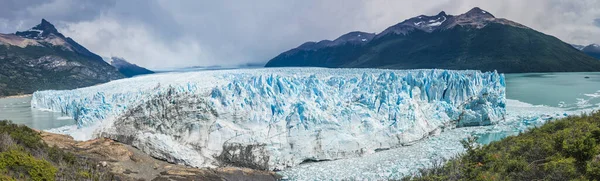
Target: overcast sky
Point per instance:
(177, 33)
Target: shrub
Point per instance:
(22, 134)
(593, 169)
(18, 160)
(5, 142)
(24, 156)
(566, 149)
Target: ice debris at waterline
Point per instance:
(277, 118)
(395, 164)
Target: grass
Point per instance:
(24, 156)
(566, 149)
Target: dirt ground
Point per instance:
(129, 163)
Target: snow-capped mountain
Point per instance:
(473, 40)
(42, 58)
(46, 34)
(356, 38)
(42, 31)
(476, 18)
(126, 68)
(592, 50)
(271, 119)
(578, 47)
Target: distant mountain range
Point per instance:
(213, 67)
(473, 40)
(592, 50)
(42, 58)
(126, 68)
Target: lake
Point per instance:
(567, 90)
(18, 110)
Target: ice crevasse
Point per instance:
(272, 119)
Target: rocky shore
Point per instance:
(129, 163)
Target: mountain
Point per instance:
(473, 40)
(578, 47)
(126, 68)
(42, 58)
(592, 50)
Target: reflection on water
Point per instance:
(19, 111)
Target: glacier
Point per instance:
(396, 164)
(276, 118)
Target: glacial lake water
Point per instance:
(18, 110)
(567, 90)
(577, 90)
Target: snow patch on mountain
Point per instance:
(475, 17)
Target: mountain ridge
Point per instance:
(592, 50)
(42, 58)
(126, 68)
(473, 40)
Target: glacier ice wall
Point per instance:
(276, 118)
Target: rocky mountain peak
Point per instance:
(126, 68)
(422, 22)
(478, 12)
(354, 37)
(475, 18)
(40, 31)
(442, 13)
(46, 27)
(118, 61)
(45, 34)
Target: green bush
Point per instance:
(22, 134)
(18, 159)
(566, 149)
(6, 178)
(24, 156)
(84, 174)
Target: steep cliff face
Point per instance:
(42, 58)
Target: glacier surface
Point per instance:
(273, 119)
(395, 164)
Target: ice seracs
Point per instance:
(272, 119)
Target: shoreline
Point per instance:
(16, 96)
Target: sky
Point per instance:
(161, 34)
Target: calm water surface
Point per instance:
(569, 90)
(19, 111)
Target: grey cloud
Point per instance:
(69, 10)
(12, 9)
(19, 14)
(163, 33)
